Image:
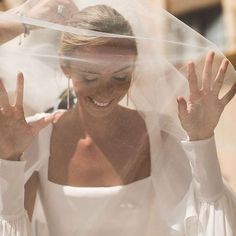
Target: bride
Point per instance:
(103, 168)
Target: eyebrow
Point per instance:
(94, 73)
(124, 68)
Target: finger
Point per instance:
(207, 71)
(57, 116)
(182, 107)
(19, 90)
(192, 79)
(4, 100)
(42, 123)
(229, 95)
(220, 77)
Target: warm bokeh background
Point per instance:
(216, 20)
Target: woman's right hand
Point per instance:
(49, 10)
(15, 133)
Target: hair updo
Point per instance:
(100, 18)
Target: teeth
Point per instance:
(100, 104)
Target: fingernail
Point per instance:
(212, 53)
(178, 98)
(190, 63)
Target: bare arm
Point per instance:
(30, 194)
(10, 30)
(46, 10)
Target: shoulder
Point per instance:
(136, 130)
(47, 129)
(63, 123)
(133, 118)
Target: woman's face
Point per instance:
(102, 77)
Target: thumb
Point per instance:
(182, 107)
(42, 123)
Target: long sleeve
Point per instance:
(13, 176)
(205, 168)
(209, 207)
(13, 217)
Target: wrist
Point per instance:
(197, 137)
(15, 157)
(26, 29)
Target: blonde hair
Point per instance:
(99, 18)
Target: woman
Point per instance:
(94, 177)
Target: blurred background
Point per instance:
(215, 20)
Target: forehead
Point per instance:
(107, 56)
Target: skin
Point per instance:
(80, 138)
(200, 115)
(78, 128)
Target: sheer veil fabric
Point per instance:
(185, 193)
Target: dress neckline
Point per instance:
(118, 187)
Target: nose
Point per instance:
(105, 89)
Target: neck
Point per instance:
(96, 126)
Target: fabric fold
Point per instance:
(194, 217)
(209, 206)
(207, 178)
(11, 187)
(17, 225)
(13, 217)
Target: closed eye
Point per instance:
(89, 78)
(121, 79)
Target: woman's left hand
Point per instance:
(200, 115)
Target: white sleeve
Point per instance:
(13, 176)
(13, 217)
(209, 207)
(205, 168)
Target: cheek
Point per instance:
(122, 88)
(113, 88)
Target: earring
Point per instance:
(127, 95)
(68, 94)
(127, 99)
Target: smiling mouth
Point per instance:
(100, 104)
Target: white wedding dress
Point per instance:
(184, 195)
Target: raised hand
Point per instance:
(15, 133)
(56, 11)
(201, 113)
